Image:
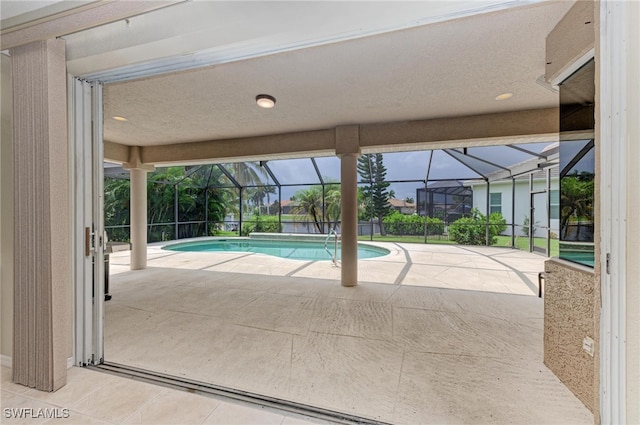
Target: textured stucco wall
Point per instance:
(568, 319)
(6, 213)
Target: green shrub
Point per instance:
(472, 230)
(261, 224)
(525, 226)
(498, 223)
(403, 224)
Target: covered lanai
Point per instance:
(283, 85)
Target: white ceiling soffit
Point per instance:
(18, 12)
(200, 33)
(448, 69)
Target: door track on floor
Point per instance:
(203, 388)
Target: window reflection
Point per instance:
(577, 167)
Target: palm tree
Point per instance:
(310, 203)
(576, 199)
(332, 202)
(248, 174)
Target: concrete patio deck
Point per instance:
(432, 334)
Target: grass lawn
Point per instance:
(522, 243)
(407, 239)
(226, 233)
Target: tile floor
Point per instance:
(97, 398)
(432, 334)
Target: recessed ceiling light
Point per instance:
(265, 101)
(504, 96)
(118, 118)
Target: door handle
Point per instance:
(87, 241)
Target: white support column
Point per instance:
(349, 210)
(138, 208)
(138, 221)
(347, 148)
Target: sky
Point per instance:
(400, 166)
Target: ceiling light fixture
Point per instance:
(504, 96)
(119, 118)
(265, 101)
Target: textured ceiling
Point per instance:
(452, 68)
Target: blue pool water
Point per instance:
(585, 258)
(295, 250)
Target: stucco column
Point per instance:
(138, 219)
(138, 207)
(348, 149)
(349, 211)
(41, 202)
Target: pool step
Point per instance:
(289, 236)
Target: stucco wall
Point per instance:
(568, 319)
(6, 213)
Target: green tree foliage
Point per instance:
(116, 208)
(196, 189)
(310, 204)
(525, 226)
(252, 177)
(403, 224)
(261, 223)
(576, 200)
(472, 230)
(332, 205)
(376, 195)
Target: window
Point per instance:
(577, 167)
(495, 203)
(554, 203)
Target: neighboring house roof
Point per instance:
(288, 203)
(399, 203)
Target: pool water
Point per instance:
(295, 250)
(585, 258)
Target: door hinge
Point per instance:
(608, 263)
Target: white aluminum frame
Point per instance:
(86, 150)
(98, 221)
(612, 121)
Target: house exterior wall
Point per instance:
(572, 297)
(568, 320)
(521, 203)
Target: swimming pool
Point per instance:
(581, 257)
(294, 250)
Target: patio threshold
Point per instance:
(207, 389)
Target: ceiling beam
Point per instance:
(116, 153)
(280, 146)
(475, 130)
(539, 125)
(78, 19)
